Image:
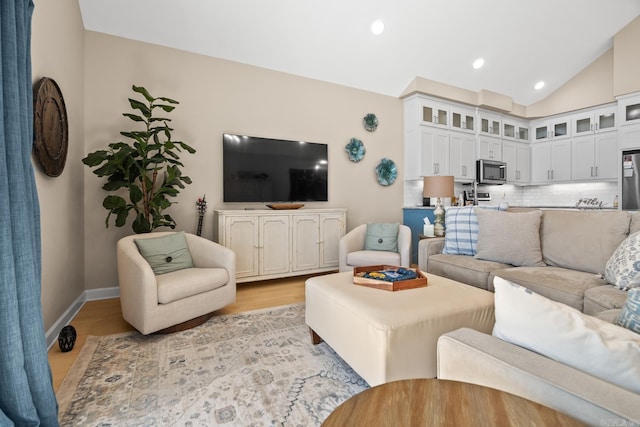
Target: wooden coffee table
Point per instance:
(432, 402)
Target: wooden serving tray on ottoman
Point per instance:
(400, 285)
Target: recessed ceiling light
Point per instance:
(478, 63)
(539, 85)
(377, 27)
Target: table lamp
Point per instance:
(438, 186)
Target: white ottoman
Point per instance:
(387, 336)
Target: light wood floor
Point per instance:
(104, 317)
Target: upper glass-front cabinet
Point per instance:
(448, 115)
(463, 119)
(514, 130)
(523, 133)
(632, 113)
(490, 124)
(551, 129)
(629, 109)
(600, 120)
(434, 114)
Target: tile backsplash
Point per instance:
(560, 195)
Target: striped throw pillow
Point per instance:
(461, 229)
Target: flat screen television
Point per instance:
(273, 170)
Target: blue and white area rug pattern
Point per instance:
(250, 369)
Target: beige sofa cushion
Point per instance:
(582, 240)
(602, 298)
(509, 238)
(559, 284)
(464, 268)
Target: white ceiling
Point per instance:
(522, 41)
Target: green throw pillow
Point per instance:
(166, 253)
(382, 237)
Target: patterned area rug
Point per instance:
(251, 369)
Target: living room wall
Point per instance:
(57, 52)
(218, 96)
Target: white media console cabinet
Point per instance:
(270, 244)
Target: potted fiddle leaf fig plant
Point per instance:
(145, 171)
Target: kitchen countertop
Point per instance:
(574, 207)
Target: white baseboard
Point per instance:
(102, 293)
(88, 295)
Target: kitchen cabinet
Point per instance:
(462, 156)
(550, 162)
(630, 137)
(414, 219)
(592, 121)
(629, 109)
(595, 157)
(517, 156)
(557, 128)
(489, 148)
(426, 152)
(490, 123)
(515, 130)
(434, 152)
(435, 113)
(280, 243)
(463, 119)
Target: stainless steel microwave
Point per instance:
(491, 172)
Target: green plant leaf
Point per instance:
(133, 117)
(141, 90)
(135, 194)
(121, 218)
(141, 225)
(169, 100)
(113, 202)
(137, 105)
(188, 148)
(95, 158)
(113, 185)
(107, 169)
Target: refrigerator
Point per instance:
(631, 180)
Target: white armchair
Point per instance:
(152, 303)
(352, 254)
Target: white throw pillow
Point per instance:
(623, 268)
(566, 335)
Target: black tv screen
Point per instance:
(273, 170)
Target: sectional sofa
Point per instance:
(574, 249)
(561, 256)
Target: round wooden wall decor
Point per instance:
(50, 128)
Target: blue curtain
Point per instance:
(26, 390)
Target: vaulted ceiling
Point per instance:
(522, 42)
